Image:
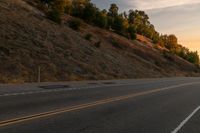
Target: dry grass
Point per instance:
(29, 40)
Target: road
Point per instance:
(168, 105)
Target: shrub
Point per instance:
(168, 55)
(75, 24)
(88, 36)
(158, 63)
(54, 16)
(116, 44)
(4, 51)
(156, 46)
(193, 57)
(97, 44)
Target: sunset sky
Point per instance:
(180, 17)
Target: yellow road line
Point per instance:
(87, 105)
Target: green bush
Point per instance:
(168, 55)
(4, 51)
(75, 24)
(193, 57)
(116, 44)
(88, 36)
(97, 44)
(132, 32)
(54, 16)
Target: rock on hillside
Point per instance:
(29, 40)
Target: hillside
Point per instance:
(29, 40)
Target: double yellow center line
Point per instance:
(87, 105)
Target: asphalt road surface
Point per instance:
(169, 105)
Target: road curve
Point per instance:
(168, 105)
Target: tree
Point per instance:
(47, 1)
(118, 24)
(172, 39)
(193, 57)
(132, 32)
(156, 39)
(131, 17)
(182, 52)
(128, 25)
(112, 15)
(78, 7)
(68, 6)
(144, 17)
(164, 39)
(141, 21)
(172, 42)
(89, 12)
(101, 19)
(59, 5)
(113, 11)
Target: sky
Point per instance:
(179, 17)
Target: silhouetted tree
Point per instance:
(89, 12)
(113, 11)
(101, 19)
(112, 15)
(132, 32)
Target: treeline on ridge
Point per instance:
(125, 24)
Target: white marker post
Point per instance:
(39, 73)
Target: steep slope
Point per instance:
(28, 41)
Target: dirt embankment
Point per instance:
(29, 40)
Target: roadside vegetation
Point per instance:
(125, 24)
(74, 48)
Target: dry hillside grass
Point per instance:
(29, 40)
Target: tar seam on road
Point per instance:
(71, 89)
(186, 120)
(87, 105)
(58, 90)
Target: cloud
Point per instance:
(154, 4)
(143, 4)
(176, 18)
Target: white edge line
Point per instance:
(186, 120)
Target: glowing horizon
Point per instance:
(183, 21)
